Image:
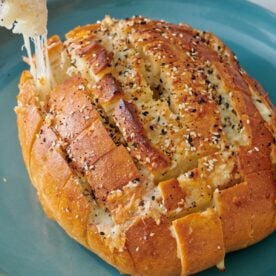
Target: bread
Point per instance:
(155, 149)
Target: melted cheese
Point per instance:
(29, 18)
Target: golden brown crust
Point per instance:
(89, 146)
(74, 210)
(69, 108)
(28, 115)
(152, 247)
(262, 189)
(45, 154)
(238, 203)
(172, 194)
(233, 206)
(99, 60)
(200, 241)
(152, 147)
(111, 172)
(128, 122)
(108, 89)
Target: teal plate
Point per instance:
(30, 244)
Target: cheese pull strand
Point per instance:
(29, 18)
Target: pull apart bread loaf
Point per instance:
(154, 149)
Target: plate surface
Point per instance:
(30, 244)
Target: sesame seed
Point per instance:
(209, 164)
(91, 167)
(174, 69)
(81, 87)
(82, 108)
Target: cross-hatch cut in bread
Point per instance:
(155, 149)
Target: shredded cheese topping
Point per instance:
(29, 18)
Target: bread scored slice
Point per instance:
(152, 147)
